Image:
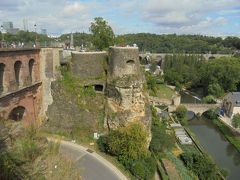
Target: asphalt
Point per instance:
(91, 165)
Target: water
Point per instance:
(187, 97)
(212, 140)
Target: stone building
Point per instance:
(20, 84)
(231, 103)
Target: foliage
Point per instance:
(151, 83)
(103, 35)
(211, 114)
(236, 120)
(228, 133)
(209, 99)
(182, 170)
(169, 43)
(144, 168)
(129, 144)
(215, 89)
(181, 113)
(182, 69)
(28, 38)
(201, 165)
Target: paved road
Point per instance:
(92, 166)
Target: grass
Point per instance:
(228, 133)
(182, 170)
(162, 91)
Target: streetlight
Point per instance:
(35, 28)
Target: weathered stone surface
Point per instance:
(131, 104)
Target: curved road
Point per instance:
(92, 166)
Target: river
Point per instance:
(213, 142)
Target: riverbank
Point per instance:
(228, 133)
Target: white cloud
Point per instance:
(74, 8)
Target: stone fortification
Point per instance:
(126, 99)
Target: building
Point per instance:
(20, 84)
(231, 104)
(8, 26)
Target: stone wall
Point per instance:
(20, 84)
(50, 63)
(89, 65)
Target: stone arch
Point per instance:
(17, 113)
(17, 70)
(2, 67)
(211, 57)
(30, 69)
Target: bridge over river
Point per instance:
(197, 108)
(200, 108)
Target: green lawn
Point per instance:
(163, 92)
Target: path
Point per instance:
(92, 166)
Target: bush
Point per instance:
(236, 120)
(209, 99)
(211, 114)
(144, 168)
(201, 165)
(181, 113)
(102, 143)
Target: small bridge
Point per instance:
(200, 108)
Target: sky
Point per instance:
(206, 17)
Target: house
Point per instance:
(231, 104)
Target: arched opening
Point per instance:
(2, 67)
(130, 62)
(30, 68)
(17, 113)
(98, 87)
(17, 67)
(211, 57)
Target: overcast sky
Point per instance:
(210, 17)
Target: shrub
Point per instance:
(144, 168)
(236, 120)
(209, 99)
(181, 113)
(201, 165)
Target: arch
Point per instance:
(211, 57)
(17, 68)
(130, 61)
(17, 113)
(30, 68)
(2, 67)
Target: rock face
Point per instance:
(126, 99)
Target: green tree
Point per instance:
(209, 99)
(236, 120)
(215, 89)
(103, 35)
(201, 165)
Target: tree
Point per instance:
(103, 35)
(215, 89)
(236, 120)
(181, 113)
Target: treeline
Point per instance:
(26, 37)
(215, 76)
(173, 43)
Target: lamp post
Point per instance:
(35, 28)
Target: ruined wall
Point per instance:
(90, 67)
(20, 83)
(126, 82)
(50, 62)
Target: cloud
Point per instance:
(74, 8)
